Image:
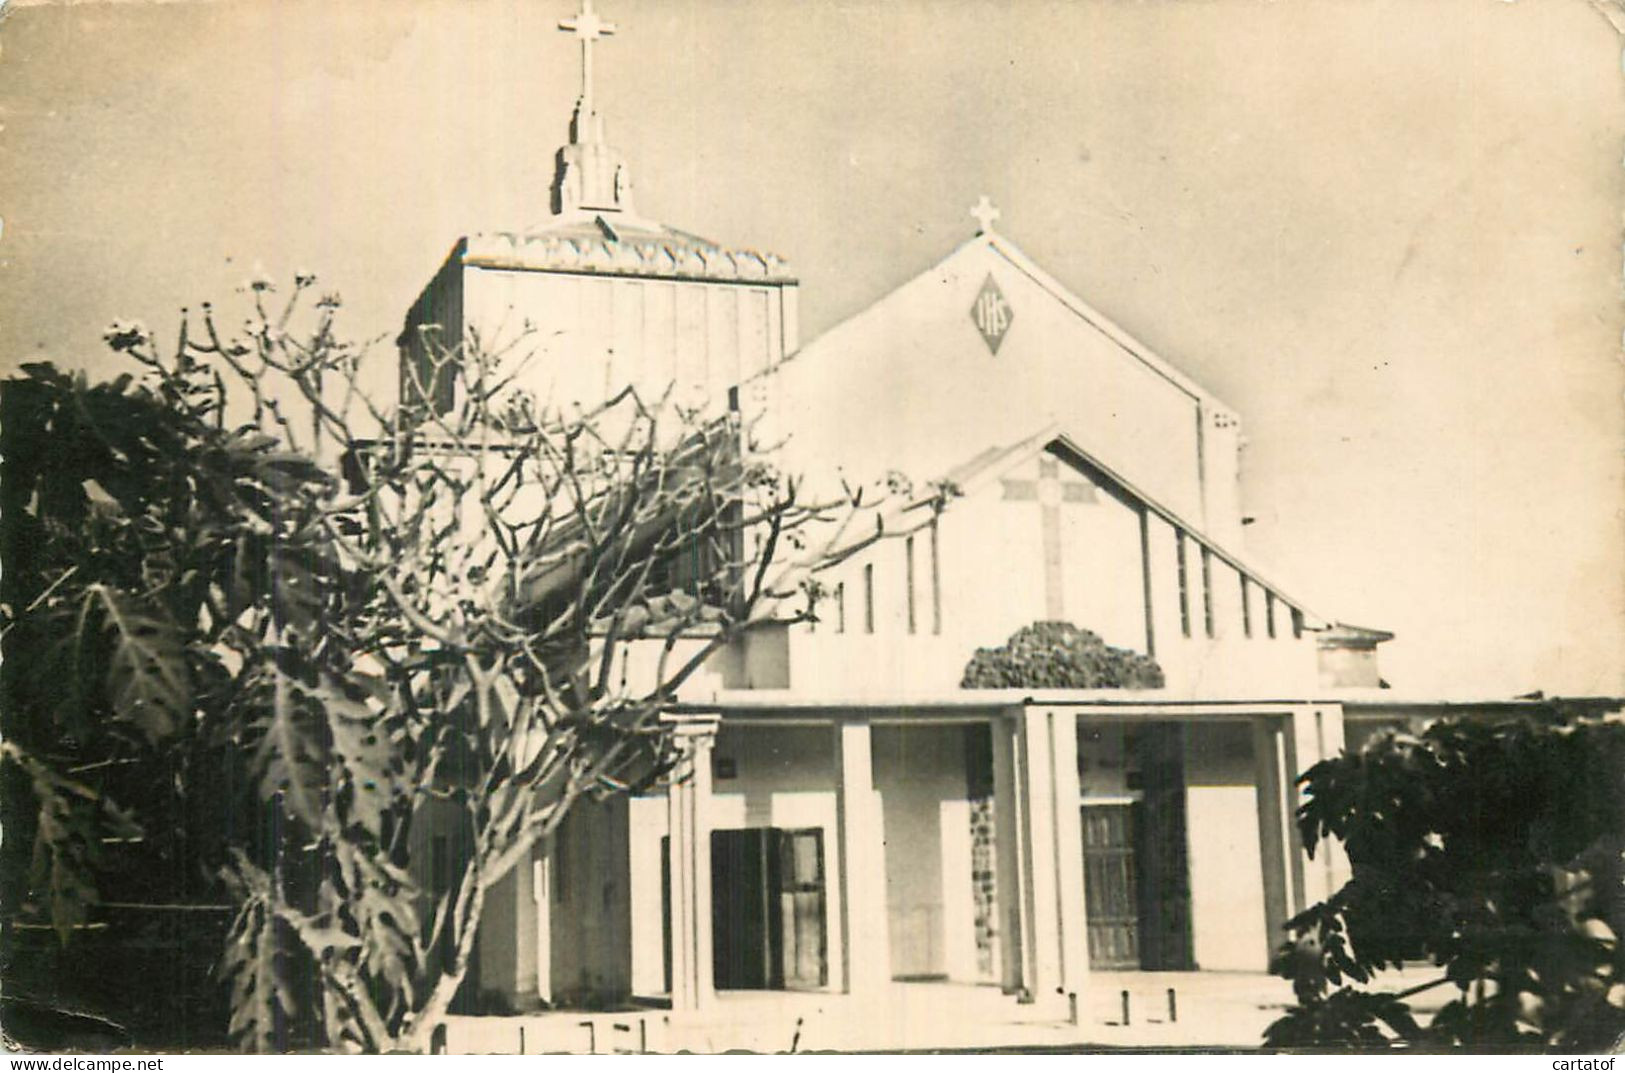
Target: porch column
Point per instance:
(541, 892)
(688, 814)
(1009, 850)
(1048, 781)
(1274, 768)
(865, 946)
(1069, 852)
(1317, 734)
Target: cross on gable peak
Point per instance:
(586, 24)
(984, 213)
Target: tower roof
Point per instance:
(595, 228)
(606, 244)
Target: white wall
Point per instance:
(992, 584)
(507, 942)
(919, 344)
(648, 828)
(920, 772)
(595, 334)
(1229, 663)
(1226, 871)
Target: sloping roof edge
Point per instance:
(1137, 349)
(990, 462)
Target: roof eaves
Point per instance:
(1108, 327)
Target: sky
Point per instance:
(1386, 231)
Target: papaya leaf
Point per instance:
(71, 823)
(315, 740)
(289, 750)
(256, 962)
(383, 898)
(148, 682)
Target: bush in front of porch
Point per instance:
(1059, 655)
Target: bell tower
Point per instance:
(595, 298)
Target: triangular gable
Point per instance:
(994, 463)
(1131, 346)
(903, 384)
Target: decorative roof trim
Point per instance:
(669, 255)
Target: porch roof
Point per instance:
(770, 703)
(767, 703)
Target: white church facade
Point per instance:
(851, 819)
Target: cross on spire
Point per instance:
(984, 213)
(587, 26)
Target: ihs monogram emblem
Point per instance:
(991, 314)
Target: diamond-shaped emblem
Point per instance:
(991, 314)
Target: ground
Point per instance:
(1211, 1010)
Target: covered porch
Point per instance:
(1036, 854)
(855, 850)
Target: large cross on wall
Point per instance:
(1049, 491)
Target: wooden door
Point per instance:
(767, 909)
(803, 958)
(742, 925)
(1110, 886)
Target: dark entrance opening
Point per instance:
(767, 909)
(1136, 872)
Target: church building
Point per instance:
(852, 819)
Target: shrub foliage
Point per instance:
(1059, 655)
(1490, 849)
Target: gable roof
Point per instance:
(1098, 320)
(1011, 254)
(898, 384)
(988, 464)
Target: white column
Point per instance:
(1069, 852)
(1054, 872)
(1317, 734)
(688, 811)
(865, 946)
(1273, 780)
(541, 891)
(1009, 852)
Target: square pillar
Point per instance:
(1039, 840)
(1009, 851)
(1317, 734)
(1069, 852)
(541, 890)
(865, 943)
(1275, 770)
(688, 813)
(1047, 780)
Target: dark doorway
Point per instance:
(1136, 875)
(767, 901)
(1160, 843)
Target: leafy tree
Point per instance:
(1494, 850)
(466, 619)
(132, 522)
(1059, 655)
